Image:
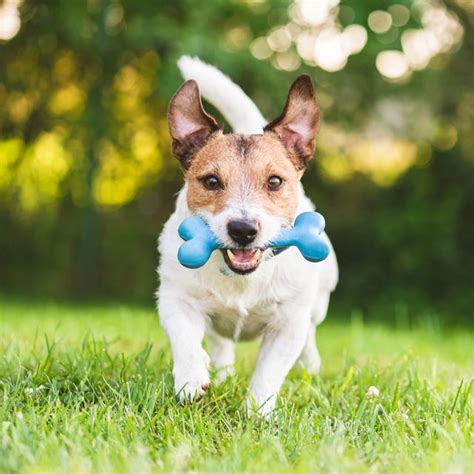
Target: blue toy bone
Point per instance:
(201, 242)
(304, 235)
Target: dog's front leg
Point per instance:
(184, 324)
(281, 346)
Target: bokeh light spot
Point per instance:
(392, 64)
(260, 49)
(354, 38)
(288, 61)
(10, 21)
(400, 14)
(379, 21)
(279, 39)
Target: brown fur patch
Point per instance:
(244, 163)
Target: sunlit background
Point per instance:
(86, 175)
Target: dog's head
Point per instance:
(244, 186)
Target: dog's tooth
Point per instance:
(230, 255)
(257, 253)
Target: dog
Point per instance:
(246, 186)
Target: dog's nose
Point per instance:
(242, 232)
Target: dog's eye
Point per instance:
(274, 183)
(211, 182)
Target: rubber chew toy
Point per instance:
(304, 235)
(201, 242)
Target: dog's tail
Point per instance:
(236, 107)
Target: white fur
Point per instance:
(283, 300)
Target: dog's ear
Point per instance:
(298, 125)
(190, 126)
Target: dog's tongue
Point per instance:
(243, 255)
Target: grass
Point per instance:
(87, 388)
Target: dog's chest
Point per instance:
(242, 311)
(238, 322)
(243, 307)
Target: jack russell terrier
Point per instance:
(246, 186)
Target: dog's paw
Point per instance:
(223, 373)
(310, 361)
(260, 406)
(192, 390)
(312, 365)
(192, 380)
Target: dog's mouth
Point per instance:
(242, 261)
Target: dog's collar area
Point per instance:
(278, 250)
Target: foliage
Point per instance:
(87, 180)
(83, 391)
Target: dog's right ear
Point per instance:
(190, 126)
(298, 125)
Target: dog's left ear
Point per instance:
(298, 125)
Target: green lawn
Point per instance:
(89, 389)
